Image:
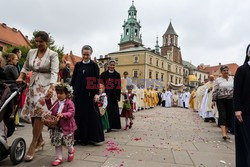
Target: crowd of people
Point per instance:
(88, 103)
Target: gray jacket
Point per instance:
(48, 71)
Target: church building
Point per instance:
(159, 67)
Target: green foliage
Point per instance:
(23, 49)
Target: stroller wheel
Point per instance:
(17, 151)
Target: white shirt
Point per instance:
(61, 105)
(87, 62)
(111, 71)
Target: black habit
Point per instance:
(112, 82)
(87, 117)
(242, 103)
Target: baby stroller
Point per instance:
(9, 92)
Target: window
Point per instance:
(150, 74)
(101, 65)
(136, 32)
(157, 63)
(172, 40)
(1, 48)
(171, 78)
(156, 75)
(169, 67)
(180, 71)
(135, 73)
(204, 78)
(162, 65)
(179, 81)
(116, 60)
(150, 60)
(136, 59)
(162, 75)
(176, 80)
(176, 70)
(126, 31)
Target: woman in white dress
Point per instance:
(44, 65)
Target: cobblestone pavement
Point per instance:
(160, 137)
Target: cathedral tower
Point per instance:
(131, 36)
(170, 48)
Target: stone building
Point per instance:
(158, 67)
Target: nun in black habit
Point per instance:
(85, 84)
(112, 81)
(242, 112)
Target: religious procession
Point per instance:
(138, 105)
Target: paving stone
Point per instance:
(182, 157)
(160, 137)
(95, 158)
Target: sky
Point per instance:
(210, 31)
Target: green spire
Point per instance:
(131, 27)
(157, 47)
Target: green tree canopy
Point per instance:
(23, 49)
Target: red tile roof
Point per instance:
(73, 59)
(216, 69)
(12, 36)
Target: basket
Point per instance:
(49, 120)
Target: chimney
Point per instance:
(101, 56)
(219, 64)
(4, 25)
(95, 59)
(70, 53)
(26, 36)
(106, 56)
(14, 29)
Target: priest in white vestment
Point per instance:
(180, 99)
(168, 98)
(186, 97)
(206, 105)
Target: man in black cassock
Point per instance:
(241, 100)
(112, 81)
(85, 85)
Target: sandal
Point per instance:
(57, 162)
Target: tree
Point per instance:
(24, 50)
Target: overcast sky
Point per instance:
(210, 31)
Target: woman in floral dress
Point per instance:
(44, 64)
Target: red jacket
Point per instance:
(67, 123)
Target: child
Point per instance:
(63, 133)
(102, 104)
(127, 110)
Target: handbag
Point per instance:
(48, 119)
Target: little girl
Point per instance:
(102, 104)
(127, 110)
(63, 133)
